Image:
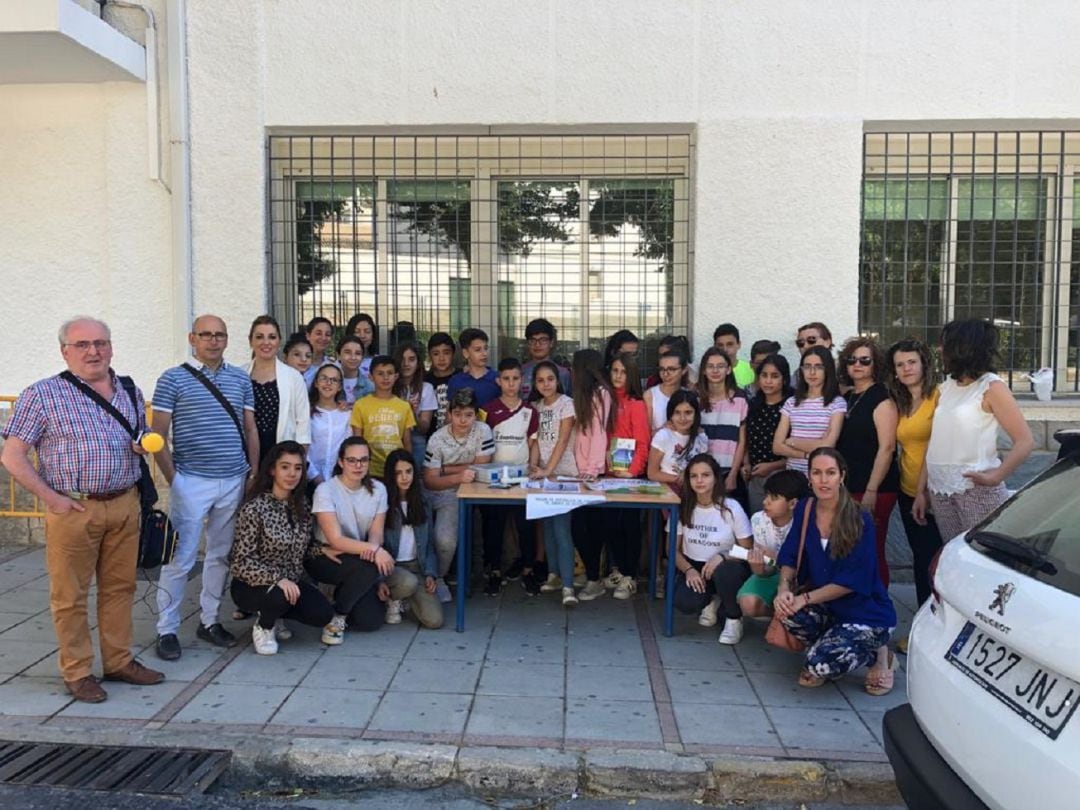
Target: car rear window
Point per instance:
(1037, 532)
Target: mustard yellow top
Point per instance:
(913, 438)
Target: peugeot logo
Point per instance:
(1002, 594)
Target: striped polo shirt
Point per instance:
(206, 443)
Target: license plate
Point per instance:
(1043, 698)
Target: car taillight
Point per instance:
(935, 596)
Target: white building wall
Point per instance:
(777, 93)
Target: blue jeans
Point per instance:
(559, 542)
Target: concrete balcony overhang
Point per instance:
(58, 41)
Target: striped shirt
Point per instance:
(721, 425)
(80, 447)
(206, 443)
(810, 420)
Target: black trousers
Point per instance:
(270, 604)
(590, 531)
(623, 539)
(493, 518)
(356, 593)
(725, 583)
(924, 541)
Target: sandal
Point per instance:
(809, 680)
(880, 681)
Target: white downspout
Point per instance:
(180, 155)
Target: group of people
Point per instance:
(325, 485)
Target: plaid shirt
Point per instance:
(80, 447)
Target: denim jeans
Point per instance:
(559, 542)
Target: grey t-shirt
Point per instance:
(355, 509)
(444, 449)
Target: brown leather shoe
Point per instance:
(86, 690)
(136, 673)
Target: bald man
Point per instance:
(209, 407)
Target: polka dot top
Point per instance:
(761, 426)
(267, 404)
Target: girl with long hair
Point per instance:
(419, 393)
(281, 407)
(835, 602)
(710, 525)
(355, 383)
(673, 447)
(329, 423)
(772, 382)
(868, 439)
(628, 457)
(273, 536)
(407, 536)
(622, 342)
(814, 416)
(723, 415)
(595, 417)
(350, 511)
(671, 371)
(965, 476)
(363, 326)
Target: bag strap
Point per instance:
(220, 397)
(104, 404)
(802, 537)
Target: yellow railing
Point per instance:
(18, 503)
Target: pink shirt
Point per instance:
(590, 441)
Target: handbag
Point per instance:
(778, 635)
(157, 538)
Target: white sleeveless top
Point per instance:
(964, 436)
(659, 408)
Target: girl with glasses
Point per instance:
(813, 417)
(868, 439)
(329, 424)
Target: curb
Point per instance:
(327, 762)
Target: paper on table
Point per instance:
(542, 504)
(547, 485)
(604, 484)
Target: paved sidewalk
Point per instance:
(527, 673)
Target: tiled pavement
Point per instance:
(525, 673)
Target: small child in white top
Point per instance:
(770, 527)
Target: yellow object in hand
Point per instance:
(152, 442)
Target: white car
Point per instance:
(994, 662)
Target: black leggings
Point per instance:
(624, 540)
(493, 517)
(270, 604)
(725, 583)
(590, 532)
(356, 593)
(924, 541)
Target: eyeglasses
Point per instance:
(810, 341)
(862, 361)
(86, 345)
(716, 367)
(212, 336)
(539, 340)
(669, 369)
(356, 459)
(814, 368)
(322, 378)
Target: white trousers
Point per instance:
(194, 503)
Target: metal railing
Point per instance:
(16, 502)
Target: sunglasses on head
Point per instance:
(810, 341)
(862, 361)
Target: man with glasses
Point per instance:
(540, 340)
(215, 452)
(88, 468)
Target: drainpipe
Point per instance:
(180, 154)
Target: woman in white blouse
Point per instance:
(329, 424)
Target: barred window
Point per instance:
(441, 232)
(974, 224)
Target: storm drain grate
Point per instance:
(165, 771)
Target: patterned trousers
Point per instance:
(835, 648)
(958, 513)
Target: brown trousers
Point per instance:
(103, 540)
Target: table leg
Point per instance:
(669, 581)
(654, 548)
(462, 556)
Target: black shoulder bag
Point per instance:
(157, 539)
(220, 397)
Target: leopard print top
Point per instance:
(270, 542)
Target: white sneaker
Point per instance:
(612, 580)
(732, 632)
(707, 618)
(282, 631)
(591, 591)
(553, 583)
(334, 633)
(626, 588)
(568, 598)
(393, 611)
(264, 640)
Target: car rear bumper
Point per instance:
(925, 779)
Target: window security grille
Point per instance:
(974, 224)
(447, 231)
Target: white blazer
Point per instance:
(294, 408)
